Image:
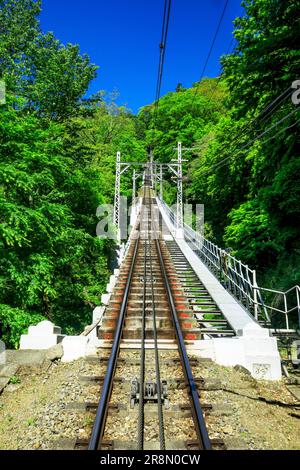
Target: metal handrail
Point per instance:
(237, 277)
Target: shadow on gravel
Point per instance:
(262, 399)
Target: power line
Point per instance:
(211, 48)
(275, 103)
(163, 43)
(264, 114)
(229, 51)
(280, 132)
(162, 46)
(224, 160)
(270, 128)
(264, 142)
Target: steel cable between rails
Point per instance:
(141, 416)
(157, 366)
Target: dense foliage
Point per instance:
(51, 76)
(250, 185)
(57, 164)
(57, 160)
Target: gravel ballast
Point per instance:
(36, 410)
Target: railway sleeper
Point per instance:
(82, 444)
(177, 411)
(163, 333)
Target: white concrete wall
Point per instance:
(253, 347)
(42, 336)
(46, 334)
(2, 353)
(74, 348)
(92, 338)
(258, 356)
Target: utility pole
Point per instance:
(156, 176)
(134, 208)
(117, 194)
(161, 183)
(179, 193)
(133, 188)
(117, 191)
(151, 168)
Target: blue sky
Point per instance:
(122, 37)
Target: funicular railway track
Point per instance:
(147, 313)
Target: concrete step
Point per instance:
(217, 332)
(135, 303)
(136, 296)
(136, 322)
(212, 321)
(139, 271)
(131, 309)
(162, 333)
(136, 310)
(158, 289)
(138, 284)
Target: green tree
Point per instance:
(248, 181)
(19, 29)
(249, 186)
(52, 264)
(59, 77)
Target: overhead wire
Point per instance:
(223, 163)
(210, 50)
(224, 160)
(229, 51)
(254, 123)
(162, 46)
(249, 126)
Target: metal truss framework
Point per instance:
(156, 172)
(135, 176)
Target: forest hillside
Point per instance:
(57, 160)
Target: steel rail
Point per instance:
(141, 416)
(198, 417)
(102, 410)
(157, 366)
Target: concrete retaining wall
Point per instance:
(253, 348)
(45, 335)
